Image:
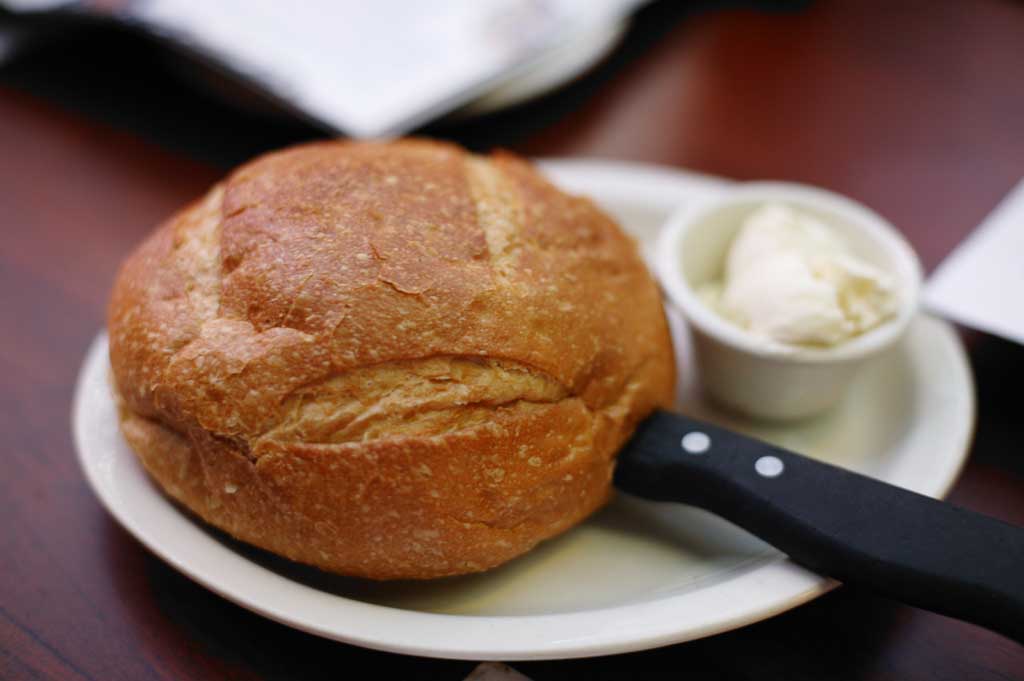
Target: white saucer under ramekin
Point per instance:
(637, 575)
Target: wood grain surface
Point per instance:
(915, 108)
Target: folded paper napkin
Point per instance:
(981, 284)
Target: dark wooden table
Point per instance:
(916, 109)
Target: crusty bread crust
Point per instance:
(390, 360)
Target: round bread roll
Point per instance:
(388, 360)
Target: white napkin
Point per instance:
(373, 68)
(981, 284)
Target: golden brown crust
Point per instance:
(387, 359)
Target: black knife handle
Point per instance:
(909, 547)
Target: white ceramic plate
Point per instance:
(638, 574)
(565, 63)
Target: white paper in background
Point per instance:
(374, 68)
(981, 284)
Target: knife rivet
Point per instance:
(695, 442)
(769, 466)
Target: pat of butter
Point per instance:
(790, 278)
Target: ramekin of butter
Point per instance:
(788, 290)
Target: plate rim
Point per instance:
(630, 627)
(581, 52)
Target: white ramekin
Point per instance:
(753, 375)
